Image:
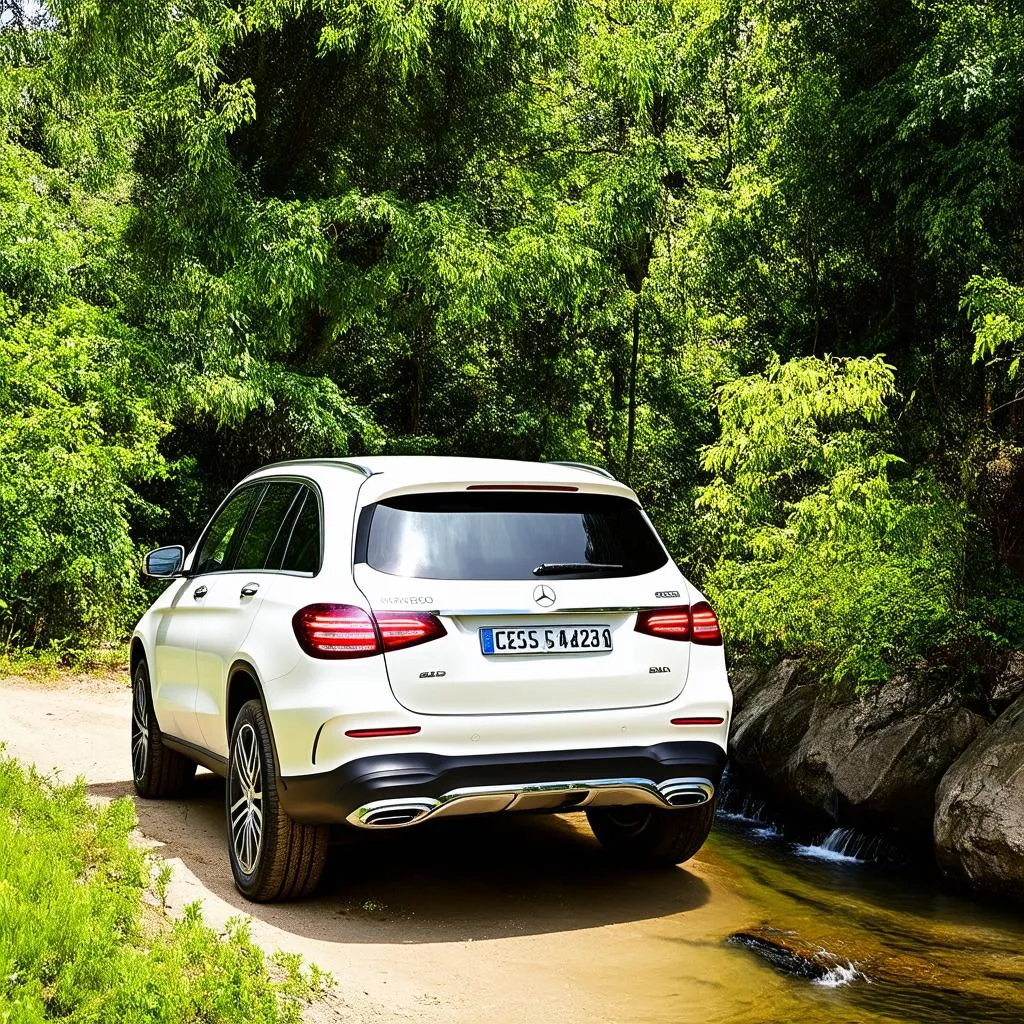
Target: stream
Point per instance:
(886, 943)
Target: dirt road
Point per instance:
(517, 919)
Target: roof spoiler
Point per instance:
(600, 470)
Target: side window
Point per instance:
(221, 541)
(303, 554)
(265, 526)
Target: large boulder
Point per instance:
(872, 761)
(769, 720)
(1008, 683)
(875, 761)
(979, 819)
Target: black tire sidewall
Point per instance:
(140, 678)
(252, 714)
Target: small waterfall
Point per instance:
(738, 805)
(847, 844)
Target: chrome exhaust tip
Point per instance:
(393, 813)
(687, 792)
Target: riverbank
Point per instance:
(934, 774)
(442, 925)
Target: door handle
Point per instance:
(199, 593)
(249, 589)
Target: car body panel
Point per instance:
(480, 705)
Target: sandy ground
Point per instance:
(511, 919)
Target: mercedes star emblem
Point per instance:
(544, 596)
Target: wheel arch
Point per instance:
(137, 653)
(243, 686)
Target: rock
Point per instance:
(743, 679)
(789, 954)
(872, 762)
(1009, 682)
(770, 718)
(979, 819)
(773, 946)
(876, 762)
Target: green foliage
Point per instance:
(534, 229)
(824, 554)
(76, 945)
(996, 308)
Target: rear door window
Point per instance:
(508, 536)
(266, 525)
(303, 553)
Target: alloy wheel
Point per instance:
(246, 806)
(140, 730)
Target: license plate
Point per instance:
(545, 639)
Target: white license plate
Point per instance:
(545, 639)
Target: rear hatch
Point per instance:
(537, 590)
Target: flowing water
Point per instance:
(887, 943)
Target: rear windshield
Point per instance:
(508, 536)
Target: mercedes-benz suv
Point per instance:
(375, 643)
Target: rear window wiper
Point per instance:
(560, 568)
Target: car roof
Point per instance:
(419, 470)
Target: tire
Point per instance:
(157, 771)
(272, 856)
(650, 836)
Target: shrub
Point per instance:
(820, 551)
(73, 942)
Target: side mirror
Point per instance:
(165, 563)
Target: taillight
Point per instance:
(698, 624)
(407, 629)
(705, 628)
(344, 631)
(335, 631)
(668, 623)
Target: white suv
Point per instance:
(379, 642)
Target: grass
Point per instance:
(82, 939)
(58, 658)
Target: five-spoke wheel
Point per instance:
(272, 856)
(245, 800)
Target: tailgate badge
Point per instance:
(666, 593)
(434, 674)
(656, 669)
(544, 596)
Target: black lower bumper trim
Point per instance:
(331, 796)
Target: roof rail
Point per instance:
(600, 470)
(343, 463)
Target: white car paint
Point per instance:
(479, 705)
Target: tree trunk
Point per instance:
(631, 422)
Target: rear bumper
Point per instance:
(403, 789)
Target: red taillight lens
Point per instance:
(698, 624)
(335, 631)
(407, 629)
(668, 623)
(344, 631)
(705, 626)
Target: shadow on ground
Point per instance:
(481, 878)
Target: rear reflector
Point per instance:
(521, 487)
(366, 734)
(345, 631)
(407, 629)
(697, 721)
(698, 624)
